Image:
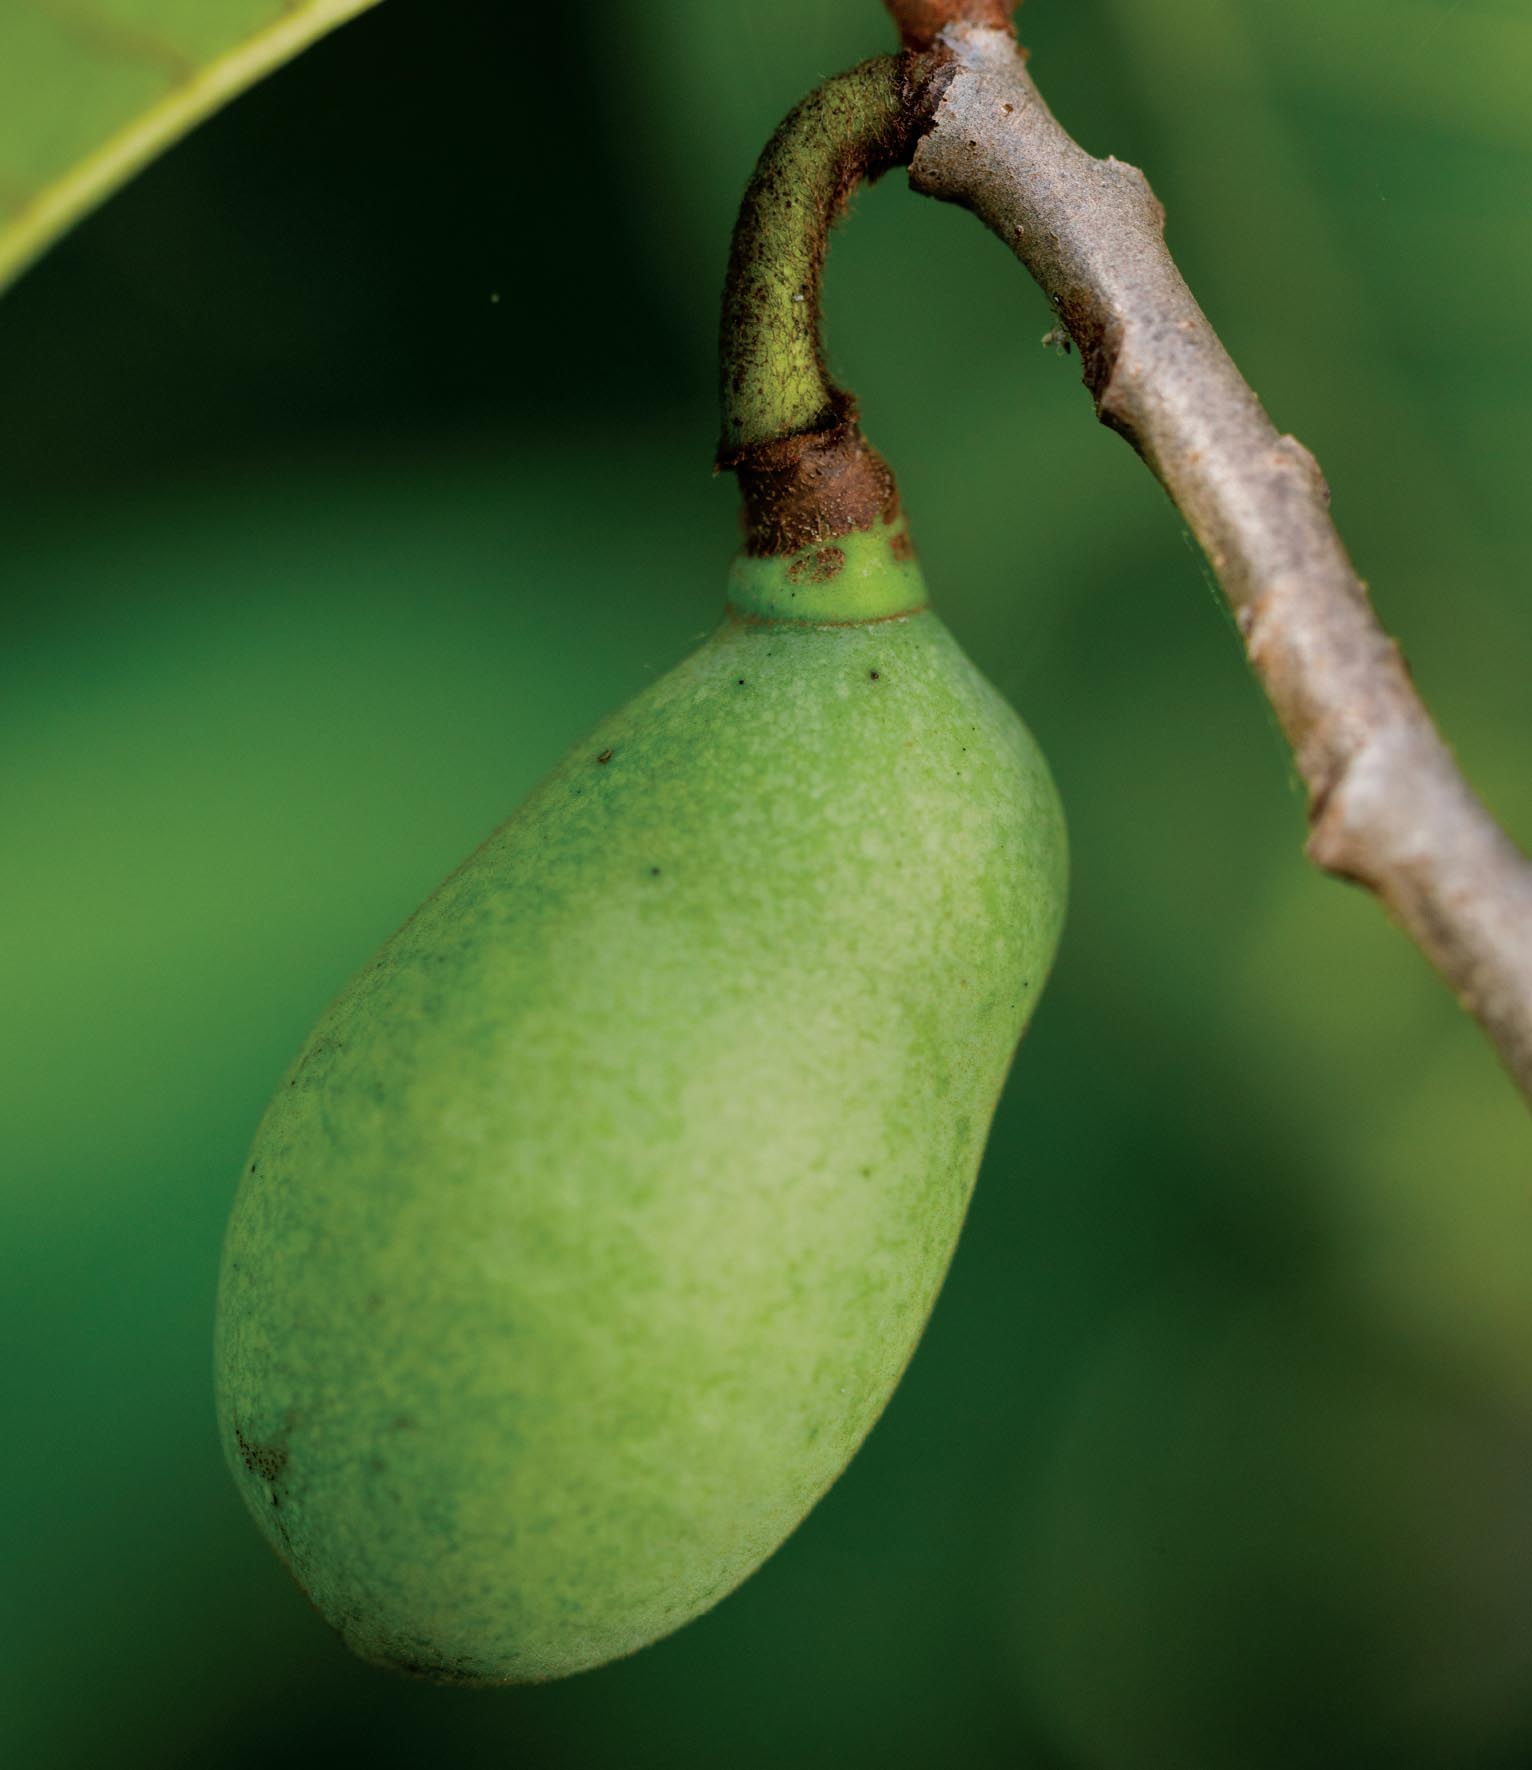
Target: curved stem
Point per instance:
(805, 470)
(774, 380)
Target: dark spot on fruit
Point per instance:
(901, 546)
(605, 756)
(321, 1047)
(819, 567)
(741, 682)
(268, 1461)
(654, 872)
(434, 1671)
(873, 674)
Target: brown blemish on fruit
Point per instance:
(605, 756)
(901, 546)
(436, 1671)
(321, 1047)
(266, 1461)
(821, 567)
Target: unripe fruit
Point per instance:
(593, 1227)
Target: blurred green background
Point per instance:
(356, 458)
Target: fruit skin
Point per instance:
(594, 1225)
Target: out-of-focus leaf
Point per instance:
(91, 90)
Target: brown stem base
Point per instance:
(799, 491)
(921, 22)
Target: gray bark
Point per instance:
(1389, 808)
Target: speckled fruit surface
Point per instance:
(594, 1225)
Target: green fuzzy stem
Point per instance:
(853, 127)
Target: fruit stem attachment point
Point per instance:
(921, 22)
(806, 472)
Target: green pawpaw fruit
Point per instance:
(594, 1225)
